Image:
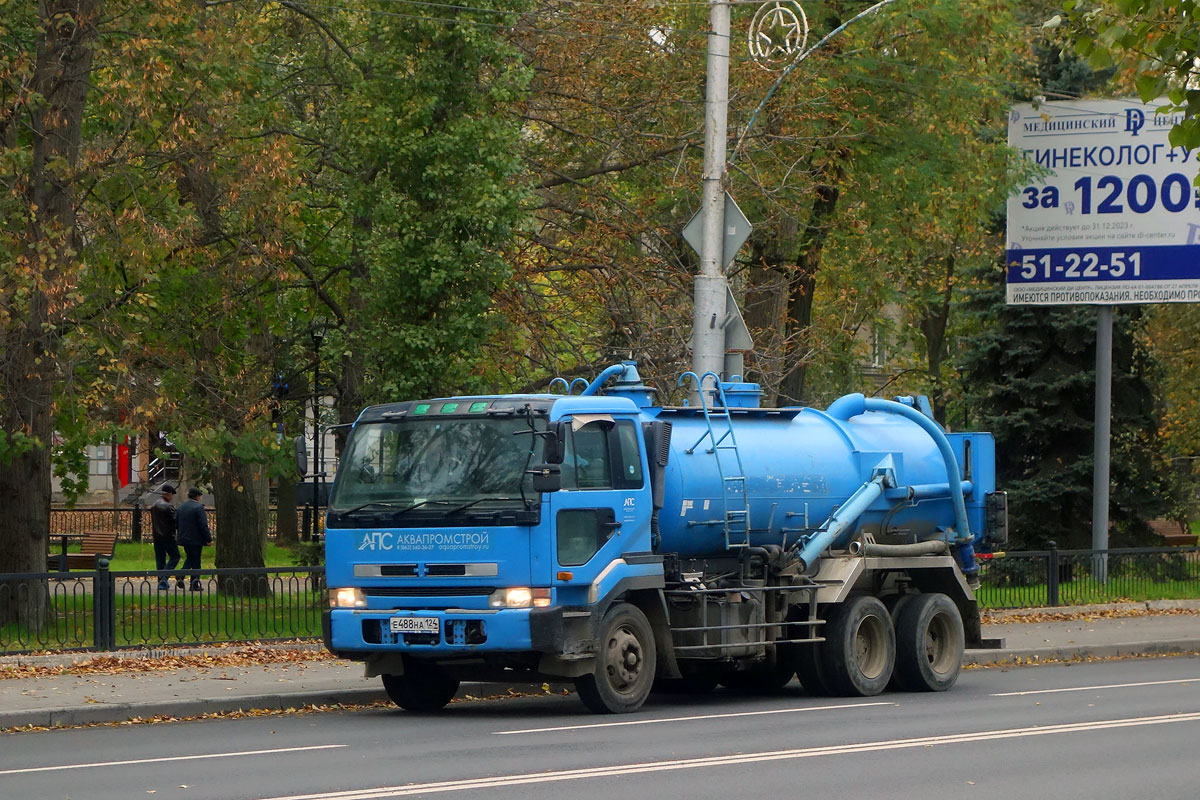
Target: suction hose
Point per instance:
(936, 547)
(852, 405)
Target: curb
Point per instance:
(77, 657)
(1010, 614)
(990, 658)
(123, 712)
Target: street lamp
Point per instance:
(318, 334)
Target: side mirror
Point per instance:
(301, 455)
(546, 478)
(552, 443)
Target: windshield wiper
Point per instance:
(388, 505)
(465, 506)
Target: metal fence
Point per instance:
(106, 610)
(76, 521)
(1082, 577)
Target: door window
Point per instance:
(581, 532)
(602, 454)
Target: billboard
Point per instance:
(1115, 218)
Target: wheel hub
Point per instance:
(624, 659)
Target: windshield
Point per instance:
(436, 466)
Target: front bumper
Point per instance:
(355, 632)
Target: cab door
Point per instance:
(603, 508)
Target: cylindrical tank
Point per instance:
(799, 465)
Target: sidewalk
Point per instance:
(76, 699)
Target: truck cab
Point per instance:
(445, 562)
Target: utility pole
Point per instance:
(1100, 469)
(708, 320)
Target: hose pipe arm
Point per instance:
(852, 405)
(602, 378)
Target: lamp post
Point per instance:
(318, 334)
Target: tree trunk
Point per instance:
(114, 470)
(800, 295)
(55, 103)
(933, 327)
(287, 532)
(240, 493)
(350, 382)
(25, 487)
(764, 312)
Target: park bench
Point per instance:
(95, 543)
(1174, 532)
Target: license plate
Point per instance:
(415, 625)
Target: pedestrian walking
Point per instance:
(194, 533)
(166, 548)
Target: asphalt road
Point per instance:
(1115, 729)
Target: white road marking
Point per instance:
(1093, 688)
(171, 758)
(741, 758)
(689, 719)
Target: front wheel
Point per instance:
(420, 689)
(625, 663)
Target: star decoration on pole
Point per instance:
(778, 31)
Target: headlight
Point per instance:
(347, 598)
(519, 597)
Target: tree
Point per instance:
(409, 203)
(45, 65)
(1172, 334)
(1029, 376)
(922, 194)
(1155, 43)
(230, 281)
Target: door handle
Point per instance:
(610, 527)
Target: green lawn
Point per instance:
(1085, 593)
(140, 555)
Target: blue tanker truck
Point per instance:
(598, 537)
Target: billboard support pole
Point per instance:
(1100, 483)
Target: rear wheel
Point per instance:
(806, 658)
(929, 644)
(810, 671)
(420, 689)
(859, 652)
(625, 663)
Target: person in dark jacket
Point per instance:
(166, 549)
(194, 532)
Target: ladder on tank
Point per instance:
(733, 487)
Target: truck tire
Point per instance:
(810, 671)
(806, 658)
(859, 651)
(420, 689)
(625, 663)
(894, 604)
(929, 644)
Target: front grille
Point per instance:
(442, 570)
(428, 591)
